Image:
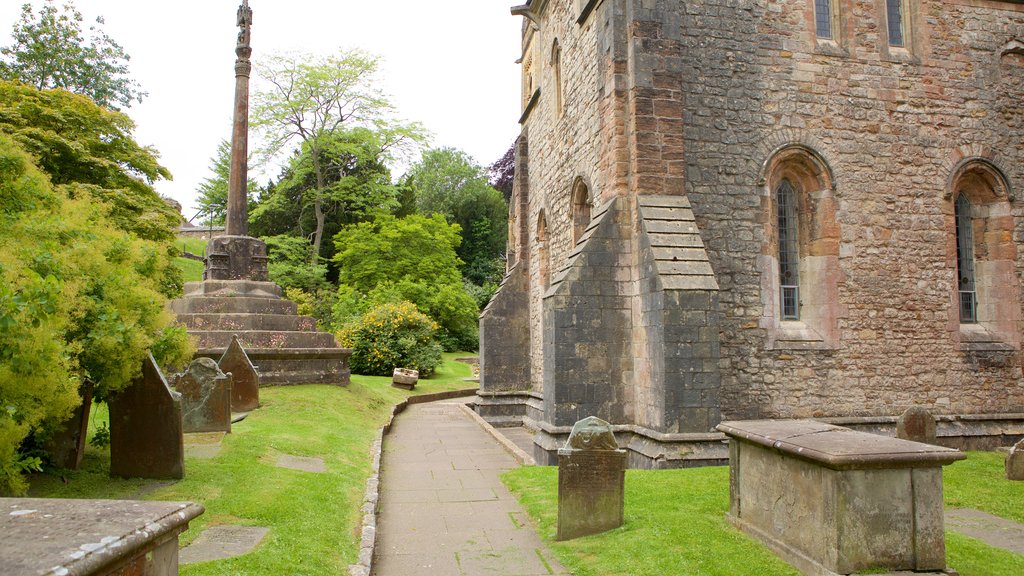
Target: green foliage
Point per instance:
(289, 264)
(449, 182)
(50, 50)
(79, 298)
(392, 336)
(213, 191)
(450, 305)
(319, 305)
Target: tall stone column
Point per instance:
(237, 217)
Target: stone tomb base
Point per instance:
(830, 500)
(285, 348)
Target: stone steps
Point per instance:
(295, 365)
(233, 305)
(244, 322)
(273, 339)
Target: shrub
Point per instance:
(392, 336)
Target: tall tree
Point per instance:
(311, 98)
(50, 50)
(213, 191)
(503, 172)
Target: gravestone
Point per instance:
(1015, 462)
(405, 378)
(67, 446)
(205, 397)
(146, 438)
(245, 380)
(591, 481)
(916, 425)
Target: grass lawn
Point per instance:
(191, 269)
(675, 523)
(313, 518)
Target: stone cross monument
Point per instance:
(236, 256)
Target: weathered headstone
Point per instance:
(205, 397)
(1015, 462)
(67, 446)
(245, 382)
(591, 481)
(405, 378)
(916, 425)
(146, 438)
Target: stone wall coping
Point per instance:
(639, 430)
(81, 537)
(842, 420)
(839, 448)
(510, 393)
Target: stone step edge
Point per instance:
(281, 353)
(368, 540)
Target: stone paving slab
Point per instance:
(203, 445)
(443, 509)
(220, 542)
(992, 530)
(301, 463)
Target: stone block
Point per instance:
(245, 380)
(1015, 462)
(146, 438)
(236, 258)
(405, 378)
(67, 446)
(917, 425)
(591, 481)
(205, 397)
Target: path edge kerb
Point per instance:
(371, 497)
(518, 453)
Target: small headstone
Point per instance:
(245, 383)
(1015, 462)
(205, 397)
(67, 446)
(146, 439)
(405, 378)
(591, 481)
(917, 425)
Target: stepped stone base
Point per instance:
(285, 348)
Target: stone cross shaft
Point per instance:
(237, 216)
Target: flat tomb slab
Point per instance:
(85, 537)
(837, 447)
(830, 500)
(301, 463)
(220, 542)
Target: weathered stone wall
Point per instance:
(891, 126)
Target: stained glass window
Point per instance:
(823, 18)
(894, 17)
(965, 261)
(789, 251)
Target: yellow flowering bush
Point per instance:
(392, 336)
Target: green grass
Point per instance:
(314, 519)
(675, 523)
(191, 269)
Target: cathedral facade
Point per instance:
(743, 209)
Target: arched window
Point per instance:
(581, 205)
(556, 65)
(895, 17)
(800, 259)
(965, 261)
(544, 257)
(823, 18)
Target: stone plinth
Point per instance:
(591, 481)
(405, 378)
(916, 425)
(245, 380)
(236, 258)
(146, 428)
(1015, 462)
(205, 397)
(92, 537)
(830, 500)
(284, 348)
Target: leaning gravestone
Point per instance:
(145, 428)
(205, 397)
(405, 378)
(67, 446)
(916, 425)
(245, 383)
(591, 481)
(1015, 462)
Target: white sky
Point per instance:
(449, 65)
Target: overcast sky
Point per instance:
(449, 65)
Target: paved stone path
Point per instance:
(443, 509)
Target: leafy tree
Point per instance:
(311, 99)
(289, 264)
(447, 181)
(357, 184)
(88, 151)
(392, 336)
(79, 298)
(50, 50)
(213, 191)
(503, 172)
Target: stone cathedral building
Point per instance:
(739, 209)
